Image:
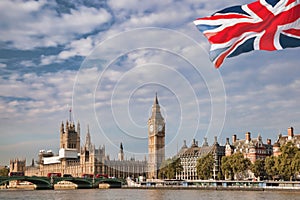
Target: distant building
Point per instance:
(77, 161)
(282, 140)
(126, 168)
(252, 148)
(190, 155)
(17, 165)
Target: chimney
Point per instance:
(234, 138)
(248, 136)
(290, 132)
(268, 141)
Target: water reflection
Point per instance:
(145, 194)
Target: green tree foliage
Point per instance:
(271, 167)
(258, 168)
(289, 149)
(235, 165)
(169, 168)
(286, 166)
(296, 164)
(177, 166)
(226, 167)
(288, 153)
(240, 164)
(4, 171)
(205, 167)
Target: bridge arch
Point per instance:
(80, 182)
(40, 182)
(48, 183)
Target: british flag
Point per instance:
(262, 25)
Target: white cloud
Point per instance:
(81, 47)
(32, 24)
(35, 95)
(261, 97)
(46, 60)
(27, 63)
(3, 65)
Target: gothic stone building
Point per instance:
(75, 160)
(78, 161)
(156, 140)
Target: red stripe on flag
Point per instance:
(289, 2)
(268, 24)
(260, 10)
(221, 58)
(224, 16)
(293, 31)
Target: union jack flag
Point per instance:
(262, 25)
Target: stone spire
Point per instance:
(121, 153)
(88, 138)
(156, 100)
(156, 109)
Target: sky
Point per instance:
(107, 59)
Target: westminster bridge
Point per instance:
(48, 183)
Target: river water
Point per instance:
(145, 194)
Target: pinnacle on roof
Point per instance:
(156, 100)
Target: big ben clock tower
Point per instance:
(156, 140)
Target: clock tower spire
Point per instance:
(156, 140)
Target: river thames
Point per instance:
(151, 194)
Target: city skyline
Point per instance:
(53, 58)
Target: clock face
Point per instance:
(151, 128)
(160, 127)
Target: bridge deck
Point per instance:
(48, 183)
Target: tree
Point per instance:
(290, 149)
(226, 167)
(287, 165)
(271, 167)
(4, 171)
(205, 166)
(296, 164)
(288, 153)
(177, 165)
(235, 165)
(239, 164)
(169, 168)
(258, 168)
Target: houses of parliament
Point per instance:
(76, 160)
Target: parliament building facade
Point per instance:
(78, 161)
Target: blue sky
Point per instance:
(107, 59)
